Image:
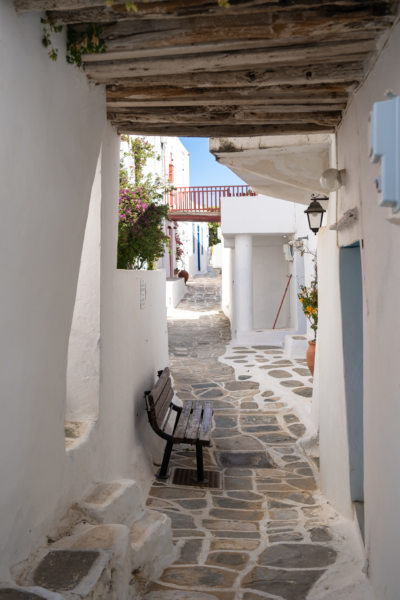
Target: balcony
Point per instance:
(202, 203)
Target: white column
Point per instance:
(243, 283)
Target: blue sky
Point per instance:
(204, 169)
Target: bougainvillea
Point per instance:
(141, 238)
(178, 248)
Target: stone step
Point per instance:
(75, 574)
(115, 502)
(152, 546)
(91, 564)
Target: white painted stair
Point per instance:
(113, 547)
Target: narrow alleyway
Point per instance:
(266, 532)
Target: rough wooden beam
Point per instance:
(118, 50)
(243, 104)
(155, 6)
(221, 116)
(328, 93)
(292, 20)
(211, 130)
(288, 55)
(309, 74)
(186, 6)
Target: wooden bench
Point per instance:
(192, 422)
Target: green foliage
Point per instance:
(141, 239)
(86, 42)
(213, 238)
(309, 302)
(48, 29)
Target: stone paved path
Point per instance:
(266, 533)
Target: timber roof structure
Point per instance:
(257, 67)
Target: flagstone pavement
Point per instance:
(267, 532)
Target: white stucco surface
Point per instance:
(281, 166)
(52, 122)
(83, 374)
(380, 248)
(257, 215)
(53, 125)
(270, 277)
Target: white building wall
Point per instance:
(83, 374)
(51, 122)
(380, 249)
(272, 223)
(270, 277)
(53, 125)
(189, 236)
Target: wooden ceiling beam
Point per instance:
(285, 94)
(212, 130)
(227, 115)
(251, 79)
(301, 54)
(176, 7)
(248, 105)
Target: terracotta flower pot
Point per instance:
(310, 356)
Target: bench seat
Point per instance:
(192, 425)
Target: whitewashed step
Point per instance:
(152, 546)
(115, 502)
(74, 574)
(12, 592)
(115, 540)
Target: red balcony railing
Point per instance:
(203, 200)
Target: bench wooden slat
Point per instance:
(179, 435)
(161, 414)
(192, 429)
(205, 428)
(163, 402)
(162, 381)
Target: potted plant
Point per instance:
(309, 302)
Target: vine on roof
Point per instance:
(86, 42)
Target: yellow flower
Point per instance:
(309, 309)
(302, 300)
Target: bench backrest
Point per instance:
(159, 399)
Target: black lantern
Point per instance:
(315, 213)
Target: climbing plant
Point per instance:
(87, 41)
(213, 238)
(141, 238)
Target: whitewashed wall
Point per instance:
(380, 249)
(272, 223)
(188, 235)
(270, 276)
(54, 130)
(83, 373)
(51, 123)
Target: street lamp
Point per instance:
(315, 213)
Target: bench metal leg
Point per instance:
(163, 472)
(200, 467)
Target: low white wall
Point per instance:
(175, 291)
(216, 256)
